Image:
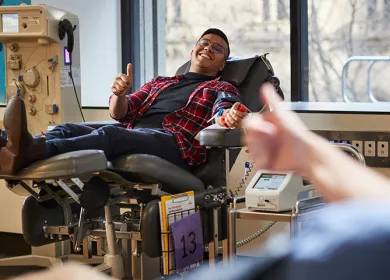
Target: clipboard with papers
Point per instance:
(181, 233)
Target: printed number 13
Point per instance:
(191, 249)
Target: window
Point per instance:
(386, 8)
(266, 13)
(339, 30)
(251, 26)
(282, 10)
(176, 11)
(371, 8)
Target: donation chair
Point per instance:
(80, 196)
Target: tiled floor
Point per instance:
(14, 245)
(7, 272)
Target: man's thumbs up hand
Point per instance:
(122, 83)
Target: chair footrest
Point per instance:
(64, 166)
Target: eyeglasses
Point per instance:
(217, 48)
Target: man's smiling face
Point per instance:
(209, 55)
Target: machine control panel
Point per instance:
(28, 21)
(269, 182)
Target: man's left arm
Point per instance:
(229, 107)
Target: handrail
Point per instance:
(372, 60)
(351, 149)
(369, 92)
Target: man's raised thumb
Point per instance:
(129, 70)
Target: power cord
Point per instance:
(74, 87)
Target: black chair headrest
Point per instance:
(247, 74)
(235, 71)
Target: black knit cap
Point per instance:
(220, 34)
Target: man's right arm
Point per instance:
(122, 107)
(118, 107)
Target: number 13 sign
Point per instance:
(188, 240)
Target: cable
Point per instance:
(250, 238)
(256, 235)
(25, 66)
(248, 170)
(39, 63)
(74, 87)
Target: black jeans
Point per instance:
(114, 141)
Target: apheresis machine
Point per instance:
(42, 54)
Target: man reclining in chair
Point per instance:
(162, 118)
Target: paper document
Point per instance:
(173, 208)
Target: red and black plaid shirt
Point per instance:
(187, 122)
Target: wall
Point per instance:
(100, 43)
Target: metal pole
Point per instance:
(110, 230)
(215, 237)
(369, 92)
(232, 233)
(227, 166)
(344, 81)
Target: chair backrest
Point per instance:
(247, 74)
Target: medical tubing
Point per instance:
(74, 87)
(248, 170)
(256, 235)
(250, 238)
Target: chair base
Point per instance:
(95, 260)
(43, 261)
(113, 264)
(43, 256)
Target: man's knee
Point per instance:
(107, 130)
(65, 126)
(69, 130)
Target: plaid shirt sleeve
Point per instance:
(227, 96)
(134, 102)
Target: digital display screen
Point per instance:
(67, 58)
(10, 22)
(269, 181)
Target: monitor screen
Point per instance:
(10, 22)
(67, 58)
(269, 181)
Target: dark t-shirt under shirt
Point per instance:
(170, 100)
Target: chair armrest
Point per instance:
(222, 138)
(95, 125)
